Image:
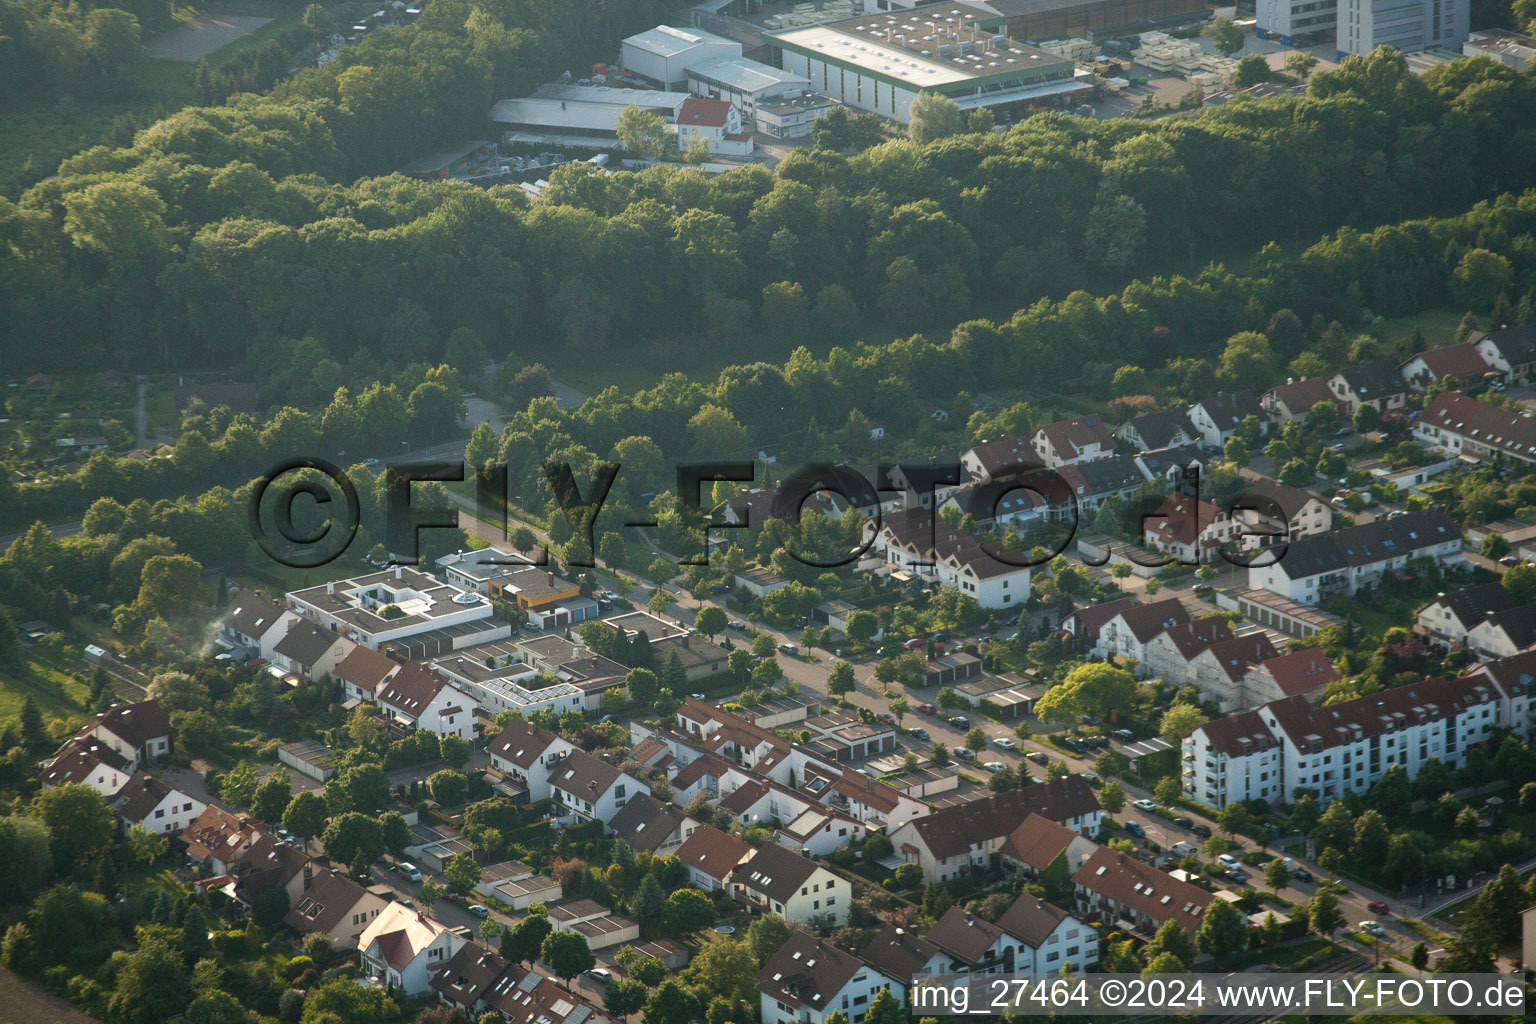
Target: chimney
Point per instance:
(686, 638)
(550, 578)
(399, 575)
(330, 588)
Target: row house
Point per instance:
(1189, 529)
(591, 788)
(1510, 350)
(1458, 425)
(159, 808)
(1036, 844)
(477, 981)
(1446, 621)
(1504, 634)
(918, 542)
(254, 625)
(362, 672)
(86, 761)
(138, 733)
(1271, 512)
(1068, 442)
(955, 840)
(1463, 362)
(418, 697)
(403, 950)
(648, 825)
(1293, 400)
(1124, 889)
(711, 855)
(1349, 561)
(1377, 383)
(807, 980)
(1218, 418)
(524, 752)
(1127, 633)
(776, 880)
(1154, 430)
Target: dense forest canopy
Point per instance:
(224, 230)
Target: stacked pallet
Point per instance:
(1079, 50)
(1162, 52)
(807, 14)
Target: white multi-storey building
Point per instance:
(1408, 25)
(1285, 20)
(1288, 746)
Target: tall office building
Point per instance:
(1406, 24)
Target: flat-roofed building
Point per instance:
(880, 62)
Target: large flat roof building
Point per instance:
(398, 603)
(1091, 19)
(582, 111)
(663, 54)
(881, 62)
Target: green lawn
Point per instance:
(1438, 326)
(58, 695)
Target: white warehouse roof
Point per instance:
(666, 41)
(747, 75)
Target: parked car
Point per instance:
(1373, 928)
(1301, 875)
(1090, 719)
(959, 721)
(1201, 830)
(926, 709)
(1006, 742)
(886, 717)
(1037, 757)
(788, 648)
(1094, 742)
(737, 625)
(920, 732)
(698, 696)
(479, 910)
(1124, 735)
(1183, 822)
(1090, 778)
(409, 871)
(1134, 828)
(802, 622)
(370, 462)
(964, 753)
(1144, 804)
(915, 644)
(1378, 907)
(601, 974)
(720, 588)
(994, 766)
(1073, 744)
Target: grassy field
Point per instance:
(59, 695)
(1438, 326)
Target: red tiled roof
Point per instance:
(1238, 734)
(1301, 672)
(1463, 361)
(708, 113)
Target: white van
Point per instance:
(1184, 849)
(411, 872)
